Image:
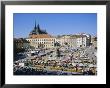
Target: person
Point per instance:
(90, 72)
(71, 57)
(76, 67)
(85, 72)
(58, 52)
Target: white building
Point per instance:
(83, 40)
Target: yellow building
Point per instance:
(41, 41)
(67, 40)
(82, 40)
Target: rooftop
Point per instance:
(41, 36)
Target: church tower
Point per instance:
(37, 30)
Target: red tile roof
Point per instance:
(40, 36)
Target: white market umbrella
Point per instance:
(74, 64)
(81, 64)
(91, 65)
(94, 65)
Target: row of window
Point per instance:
(47, 46)
(42, 43)
(41, 40)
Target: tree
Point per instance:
(66, 43)
(58, 53)
(57, 44)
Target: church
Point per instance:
(39, 38)
(37, 30)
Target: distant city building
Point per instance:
(83, 40)
(39, 38)
(94, 41)
(66, 40)
(73, 41)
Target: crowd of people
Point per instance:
(80, 61)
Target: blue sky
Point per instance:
(55, 23)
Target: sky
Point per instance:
(55, 23)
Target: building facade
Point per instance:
(74, 41)
(41, 41)
(39, 38)
(94, 41)
(83, 40)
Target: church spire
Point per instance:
(35, 25)
(38, 27)
(37, 30)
